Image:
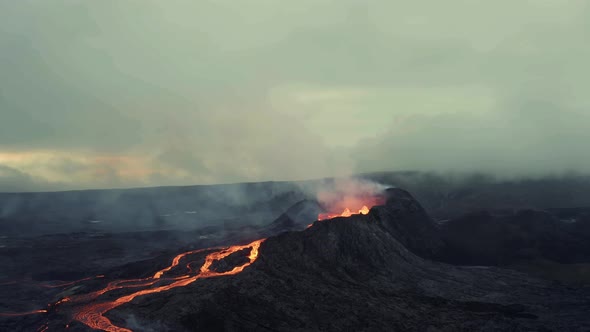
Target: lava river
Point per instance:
(90, 310)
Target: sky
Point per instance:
(109, 94)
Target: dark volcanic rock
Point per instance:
(356, 273)
(407, 221)
(297, 217)
(482, 238)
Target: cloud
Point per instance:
(514, 145)
(13, 180)
(127, 94)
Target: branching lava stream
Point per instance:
(93, 314)
(88, 310)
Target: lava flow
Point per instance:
(93, 314)
(90, 313)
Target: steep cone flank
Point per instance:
(407, 221)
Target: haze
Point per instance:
(102, 94)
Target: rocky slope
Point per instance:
(359, 273)
(297, 217)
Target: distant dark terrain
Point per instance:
(147, 209)
(458, 253)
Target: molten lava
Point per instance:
(93, 314)
(345, 213)
(349, 205)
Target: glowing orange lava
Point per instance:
(93, 314)
(345, 213)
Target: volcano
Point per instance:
(367, 272)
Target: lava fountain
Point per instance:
(350, 205)
(345, 213)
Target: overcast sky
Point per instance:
(99, 94)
